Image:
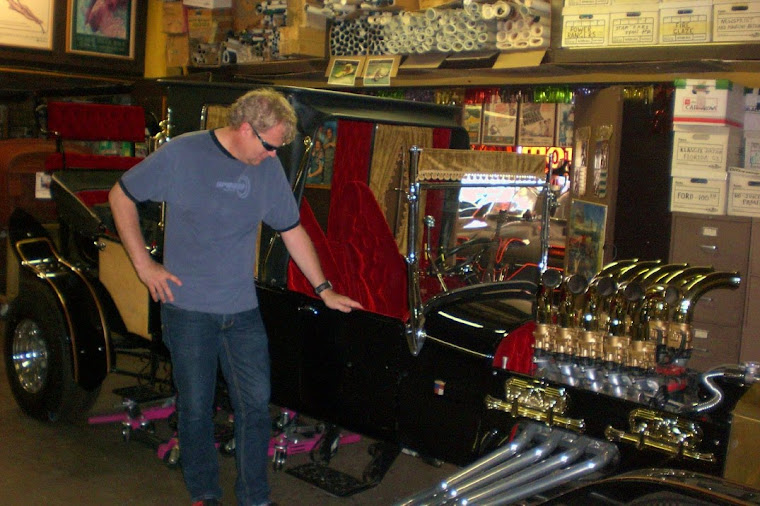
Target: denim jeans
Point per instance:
(238, 343)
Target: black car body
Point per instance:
(432, 363)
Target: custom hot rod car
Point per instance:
(528, 378)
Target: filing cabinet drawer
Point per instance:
(717, 241)
(723, 306)
(714, 345)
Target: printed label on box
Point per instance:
(708, 154)
(752, 152)
(742, 23)
(633, 30)
(586, 31)
(685, 28)
(707, 197)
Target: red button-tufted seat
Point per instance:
(75, 121)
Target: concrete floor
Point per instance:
(83, 464)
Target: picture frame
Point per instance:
(319, 170)
(27, 24)
(103, 29)
(584, 253)
(472, 120)
(537, 124)
(500, 124)
(343, 70)
(378, 70)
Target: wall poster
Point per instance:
(27, 23)
(101, 28)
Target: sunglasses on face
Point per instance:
(264, 143)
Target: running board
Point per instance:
(539, 458)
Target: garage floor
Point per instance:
(82, 464)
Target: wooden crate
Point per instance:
(303, 41)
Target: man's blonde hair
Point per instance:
(264, 108)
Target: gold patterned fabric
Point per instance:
(454, 164)
(388, 172)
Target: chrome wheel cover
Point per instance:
(30, 356)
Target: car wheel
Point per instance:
(38, 358)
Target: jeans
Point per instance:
(198, 342)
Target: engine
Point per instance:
(627, 332)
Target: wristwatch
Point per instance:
(324, 286)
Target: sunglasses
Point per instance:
(264, 143)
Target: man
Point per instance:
(218, 186)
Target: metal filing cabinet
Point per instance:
(719, 317)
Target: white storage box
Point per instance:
(736, 21)
(685, 22)
(752, 150)
(702, 151)
(751, 121)
(698, 195)
(209, 4)
(585, 26)
(634, 25)
(586, 3)
(752, 99)
(708, 102)
(743, 192)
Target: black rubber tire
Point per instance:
(55, 396)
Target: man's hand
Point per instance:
(334, 300)
(156, 278)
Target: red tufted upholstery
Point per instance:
(74, 121)
(516, 350)
(364, 245)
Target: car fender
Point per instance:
(76, 295)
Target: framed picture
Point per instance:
(500, 124)
(27, 23)
(343, 70)
(379, 70)
(585, 241)
(537, 124)
(100, 28)
(320, 169)
(472, 121)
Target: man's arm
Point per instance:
(302, 251)
(151, 273)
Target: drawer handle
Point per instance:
(709, 247)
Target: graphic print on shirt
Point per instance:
(242, 186)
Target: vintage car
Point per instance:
(530, 383)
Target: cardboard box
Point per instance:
(698, 195)
(245, 15)
(752, 149)
(209, 26)
(177, 50)
(736, 21)
(752, 99)
(303, 41)
(586, 3)
(585, 26)
(743, 440)
(717, 102)
(175, 19)
(751, 121)
(209, 4)
(634, 25)
(685, 22)
(702, 151)
(743, 192)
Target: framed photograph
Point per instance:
(500, 124)
(472, 120)
(537, 124)
(27, 23)
(379, 70)
(343, 70)
(101, 28)
(320, 169)
(585, 238)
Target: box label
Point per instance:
(585, 32)
(746, 201)
(633, 30)
(707, 154)
(698, 198)
(736, 25)
(685, 28)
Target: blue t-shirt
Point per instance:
(214, 206)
